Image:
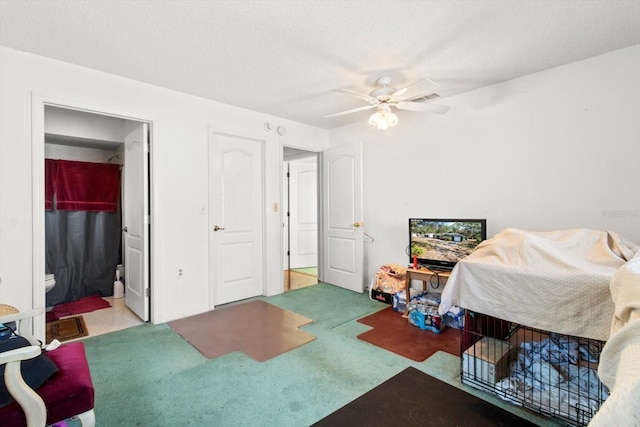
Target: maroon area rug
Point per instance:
(83, 305)
(394, 333)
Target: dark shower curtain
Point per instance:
(83, 251)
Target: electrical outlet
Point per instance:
(179, 273)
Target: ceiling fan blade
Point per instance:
(359, 95)
(424, 108)
(342, 113)
(424, 85)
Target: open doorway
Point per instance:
(87, 248)
(301, 218)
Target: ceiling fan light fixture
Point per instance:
(375, 119)
(383, 118)
(392, 119)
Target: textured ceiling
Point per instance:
(287, 58)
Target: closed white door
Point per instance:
(135, 212)
(342, 217)
(235, 217)
(303, 212)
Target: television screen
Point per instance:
(441, 243)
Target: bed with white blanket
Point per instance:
(555, 281)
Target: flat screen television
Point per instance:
(440, 243)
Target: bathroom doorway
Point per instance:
(88, 139)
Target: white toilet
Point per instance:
(49, 282)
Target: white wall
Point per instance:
(82, 154)
(553, 150)
(179, 173)
(78, 124)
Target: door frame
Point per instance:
(285, 205)
(38, 103)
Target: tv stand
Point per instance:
(437, 269)
(424, 274)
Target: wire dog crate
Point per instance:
(545, 372)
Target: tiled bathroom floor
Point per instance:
(111, 319)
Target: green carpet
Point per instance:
(149, 376)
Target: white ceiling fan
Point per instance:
(384, 97)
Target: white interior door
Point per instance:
(342, 217)
(236, 217)
(135, 211)
(303, 212)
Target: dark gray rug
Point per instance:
(413, 398)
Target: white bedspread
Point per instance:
(556, 281)
(619, 365)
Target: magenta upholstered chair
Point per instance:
(65, 394)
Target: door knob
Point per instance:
(216, 228)
(124, 229)
(358, 224)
